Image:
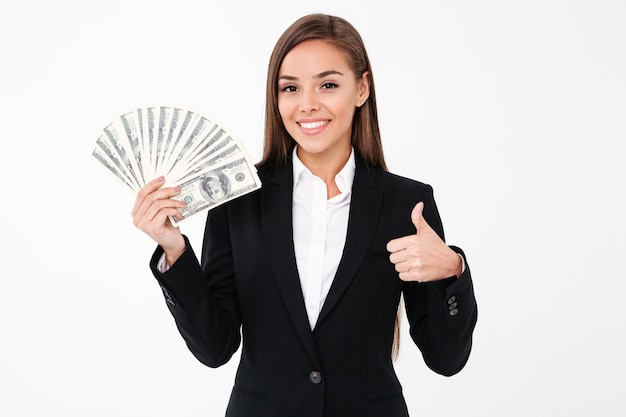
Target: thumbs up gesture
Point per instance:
(423, 257)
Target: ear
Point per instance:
(364, 89)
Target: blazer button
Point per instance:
(315, 377)
(451, 299)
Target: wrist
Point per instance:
(462, 265)
(174, 251)
(457, 264)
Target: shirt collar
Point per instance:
(344, 178)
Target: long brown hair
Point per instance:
(365, 130)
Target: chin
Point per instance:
(313, 150)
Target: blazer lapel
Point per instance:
(364, 211)
(278, 235)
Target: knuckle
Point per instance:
(139, 224)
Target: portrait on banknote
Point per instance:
(215, 186)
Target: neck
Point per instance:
(325, 166)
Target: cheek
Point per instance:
(284, 108)
(286, 113)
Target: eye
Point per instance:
(329, 85)
(288, 88)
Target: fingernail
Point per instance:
(161, 178)
(177, 188)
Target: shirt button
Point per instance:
(315, 377)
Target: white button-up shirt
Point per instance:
(319, 230)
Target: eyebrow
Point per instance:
(317, 76)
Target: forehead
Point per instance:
(314, 57)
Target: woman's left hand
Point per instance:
(423, 257)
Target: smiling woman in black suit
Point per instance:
(310, 269)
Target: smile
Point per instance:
(313, 125)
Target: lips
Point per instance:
(313, 125)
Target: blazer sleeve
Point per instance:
(442, 315)
(203, 299)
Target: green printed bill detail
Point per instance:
(216, 186)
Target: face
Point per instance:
(214, 188)
(317, 96)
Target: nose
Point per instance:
(308, 101)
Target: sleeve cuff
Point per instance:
(460, 256)
(163, 266)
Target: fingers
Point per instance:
(408, 253)
(398, 256)
(154, 205)
(147, 189)
(156, 209)
(405, 254)
(396, 245)
(410, 269)
(404, 258)
(151, 193)
(405, 265)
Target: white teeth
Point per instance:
(313, 125)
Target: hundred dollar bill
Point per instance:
(202, 127)
(149, 139)
(128, 163)
(106, 154)
(216, 186)
(130, 124)
(112, 167)
(232, 152)
(191, 168)
(179, 135)
(172, 131)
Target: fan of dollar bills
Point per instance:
(191, 150)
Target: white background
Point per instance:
(514, 111)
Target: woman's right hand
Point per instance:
(151, 212)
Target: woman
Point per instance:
(310, 268)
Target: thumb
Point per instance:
(416, 216)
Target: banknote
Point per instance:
(112, 166)
(130, 124)
(228, 152)
(216, 186)
(105, 153)
(212, 143)
(187, 147)
(123, 152)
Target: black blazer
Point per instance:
(247, 283)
